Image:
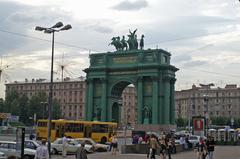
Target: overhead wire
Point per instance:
(46, 40)
(80, 47)
(190, 37)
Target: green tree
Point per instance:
(23, 109)
(56, 112)
(181, 122)
(1, 105)
(11, 103)
(220, 120)
(36, 106)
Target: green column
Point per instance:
(86, 102)
(160, 100)
(104, 100)
(155, 112)
(166, 101)
(90, 99)
(172, 102)
(139, 100)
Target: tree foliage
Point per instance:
(181, 122)
(225, 121)
(25, 107)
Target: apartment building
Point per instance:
(207, 101)
(129, 102)
(70, 93)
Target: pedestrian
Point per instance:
(42, 151)
(200, 148)
(135, 139)
(174, 150)
(64, 146)
(168, 147)
(163, 148)
(148, 148)
(81, 152)
(114, 145)
(187, 143)
(210, 147)
(110, 139)
(31, 136)
(140, 140)
(146, 138)
(153, 143)
(182, 142)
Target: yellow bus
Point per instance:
(98, 131)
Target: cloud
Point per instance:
(18, 22)
(181, 58)
(127, 5)
(98, 27)
(195, 63)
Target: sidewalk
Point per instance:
(221, 152)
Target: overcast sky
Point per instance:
(203, 36)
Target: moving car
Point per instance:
(71, 148)
(96, 146)
(9, 149)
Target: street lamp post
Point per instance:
(56, 28)
(206, 99)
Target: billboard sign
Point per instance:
(198, 125)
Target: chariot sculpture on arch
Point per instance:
(130, 44)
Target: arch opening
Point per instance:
(124, 107)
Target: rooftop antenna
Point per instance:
(62, 67)
(3, 68)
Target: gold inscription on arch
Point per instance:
(127, 59)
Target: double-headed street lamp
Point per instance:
(56, 28)
(205, 98)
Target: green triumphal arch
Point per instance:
(148, 70)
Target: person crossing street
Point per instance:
(42, 151)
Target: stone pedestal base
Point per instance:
(155, 127)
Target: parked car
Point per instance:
(194, 139)
(96, 146)
(2, 155)
(72, 147)
(9, 149)
(31, 144)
